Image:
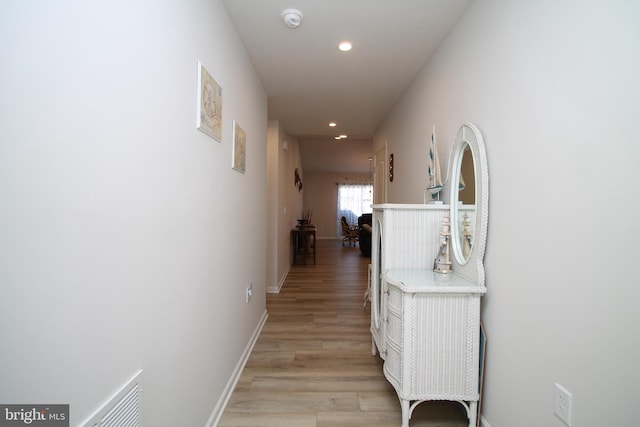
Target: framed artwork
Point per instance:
(239, 147)
(209, 115)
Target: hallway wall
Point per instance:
(285, 203)
(553, 85)
(126, 239)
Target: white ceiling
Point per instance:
(310, 83)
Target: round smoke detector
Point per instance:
(292, 18)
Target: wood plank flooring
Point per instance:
(312, 364)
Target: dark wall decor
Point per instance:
(297, 181)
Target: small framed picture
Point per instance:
(209, 117)
(239, 147)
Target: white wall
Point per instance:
(554, 87)
(273, 211)
(127, 240)
(285, 202)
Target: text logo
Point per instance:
(34, 415)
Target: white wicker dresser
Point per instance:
(426, 325)
(432, 338)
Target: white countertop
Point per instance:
(424, 206)
(428, 281)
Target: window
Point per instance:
(353, 201)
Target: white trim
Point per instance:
(235, 376)
(484, 422)
(276, 289)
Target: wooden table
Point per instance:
(304, 243)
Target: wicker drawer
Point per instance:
(395, 297)
(393, 365)
(394, 326)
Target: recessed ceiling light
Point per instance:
(344, 46)
(336, 137)
(332, 124)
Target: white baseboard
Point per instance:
(484, 422)
(276, 289)
(235, 376)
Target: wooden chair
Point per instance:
(349, 232)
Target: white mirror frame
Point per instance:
(376, 283)
(473, 267)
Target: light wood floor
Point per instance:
(312, 364)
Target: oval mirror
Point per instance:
(468, 195)
(465, 181)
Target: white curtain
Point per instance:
(353, 201)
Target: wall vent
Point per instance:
(124, 409)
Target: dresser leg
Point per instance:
(404, 404)
(473, 414)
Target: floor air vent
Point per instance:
(124, 409)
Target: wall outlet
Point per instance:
(249, 293)
(563, 404)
